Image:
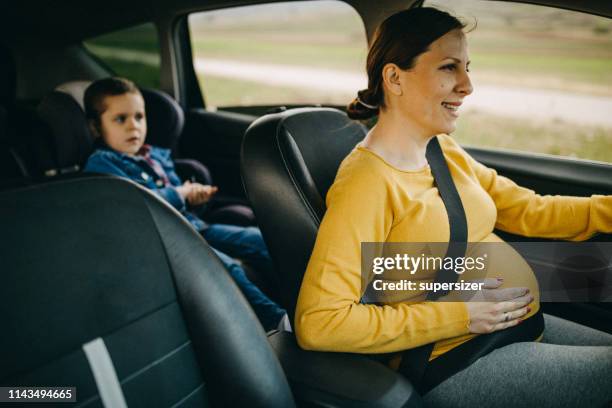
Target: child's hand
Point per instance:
(196, 193)
(200, 193)
(184, 190)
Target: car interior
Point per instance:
(96, 266)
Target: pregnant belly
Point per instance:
(502, 262)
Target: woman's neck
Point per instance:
(398, 141)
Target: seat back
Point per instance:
(289, 161)
(99, 269)
(71, 141)
(165, 119)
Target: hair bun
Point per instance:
(362, 107)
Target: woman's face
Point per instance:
(433, 90)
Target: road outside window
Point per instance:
(542, 79)
(276, 54)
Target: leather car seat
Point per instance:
(106, 289)
(289, 161)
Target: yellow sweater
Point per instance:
(372, 201)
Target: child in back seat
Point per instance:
(116, 112)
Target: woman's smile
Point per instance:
(452, 108)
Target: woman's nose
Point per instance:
(464, 84)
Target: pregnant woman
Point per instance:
(384, 191)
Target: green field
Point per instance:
(141, 38)
(220, 92)
(550, 137)
(331, 55)
(145, 75)
(131, 53)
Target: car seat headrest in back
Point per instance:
(165, 118)
(71, 139)
(76, 89)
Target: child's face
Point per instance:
(123, 123)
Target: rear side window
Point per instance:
(132, 53)
(279, 54)
(542, 79)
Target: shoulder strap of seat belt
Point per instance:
(414, 361)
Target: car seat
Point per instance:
(296, 154)
(299, 152)
(107, 290)
(73, 142)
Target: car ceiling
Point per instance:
(71, 21)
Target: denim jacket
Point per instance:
(108, 161)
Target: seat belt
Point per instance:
(414, 361)
(415, 364)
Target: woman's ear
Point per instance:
(391, 79)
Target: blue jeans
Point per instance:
(246, 243)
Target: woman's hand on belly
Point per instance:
(493, 309)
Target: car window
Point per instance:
(282, 53)
(542, 79)
(132, 53)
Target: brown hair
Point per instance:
(400, 39)
(93, 100)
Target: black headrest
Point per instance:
(165, 118)
(72, 141)
(8, 78)
(289, 161)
